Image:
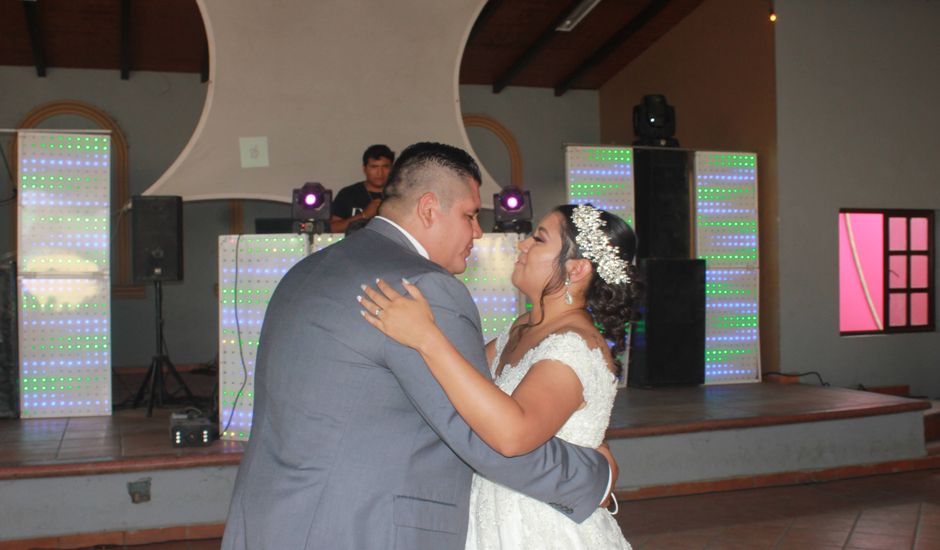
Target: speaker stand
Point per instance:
(153, 388)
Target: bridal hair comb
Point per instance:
(595, 247)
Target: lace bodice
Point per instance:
(503, 519)
(587, 425)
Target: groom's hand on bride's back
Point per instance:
(614, 472)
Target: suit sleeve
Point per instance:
(571, 479)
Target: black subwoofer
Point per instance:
(668, 341)
(157, 238)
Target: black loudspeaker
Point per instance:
(668, 341)
(157, 237)
(663, 203)
(9, 363)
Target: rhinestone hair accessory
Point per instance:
(595, 247)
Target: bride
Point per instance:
(553, 369)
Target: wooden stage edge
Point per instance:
(637, 413)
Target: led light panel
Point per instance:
(261, 261)
(732, 344)
(324, 240)
(65, 347)
(726, 236)
(489, 278)
(64, 201)
(726, 209)
(63, 274)
(602, 176)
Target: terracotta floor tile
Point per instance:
(806, 546)
(879, 542)
(928, 531)
(816, 535)
(885, 527)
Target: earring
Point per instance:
(568, 298)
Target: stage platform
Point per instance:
(80, 475)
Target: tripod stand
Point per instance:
(153, 387)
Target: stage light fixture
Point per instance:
(191, 428)
(654, 122)
(512, 210)
(312, 206)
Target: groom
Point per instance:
(353, 444)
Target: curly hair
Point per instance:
(611, 305)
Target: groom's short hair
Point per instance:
(424, 167)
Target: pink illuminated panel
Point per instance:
(885, 271)
(898, 233)
(919, 272)
(861, 272)
(898, 310)
(897, 276)
(919, 304)
(919, 234)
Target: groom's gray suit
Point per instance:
(353, 443)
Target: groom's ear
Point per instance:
(578, 270)
(427, 209)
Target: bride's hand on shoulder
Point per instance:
(405, 319)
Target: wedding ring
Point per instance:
(378, 311)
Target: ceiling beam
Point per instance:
(485, 14)
(649, 12)
(125, 39)
(529, 54)
(31, 9)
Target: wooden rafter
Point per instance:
(31, 9)
(649, 12)
(529, 54)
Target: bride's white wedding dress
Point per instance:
(501, 518)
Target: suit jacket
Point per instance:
(353, 443)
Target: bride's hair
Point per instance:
(610, 305)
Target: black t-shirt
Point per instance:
(352, 200)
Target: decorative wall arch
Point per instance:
(122, 286)
(512, 146)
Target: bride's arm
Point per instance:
(511, 425)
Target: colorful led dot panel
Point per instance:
(489, 278)
(65, 347)
(732, 346)
(64, 201)
(726, 209)
(64, 297)
(244, 293)
(602, 176)
(322, 241)
(263, 260)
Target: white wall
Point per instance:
(858, 85)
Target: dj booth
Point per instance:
(250, 266)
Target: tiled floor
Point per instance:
(891, 512)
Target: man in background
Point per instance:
(360, 201)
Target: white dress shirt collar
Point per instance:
(414, 242)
